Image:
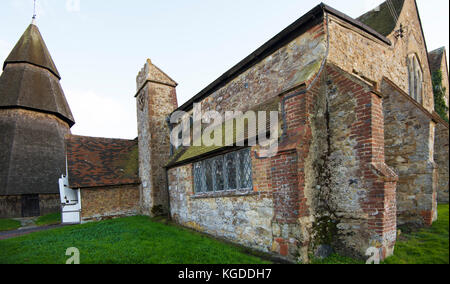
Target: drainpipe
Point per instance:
(166, 171)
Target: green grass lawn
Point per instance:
(427, 246)
(8, 225)
(133, 240)
(142, 240)
(337, 259)
(50, 219)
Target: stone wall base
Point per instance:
(109, 202)
(11, 206)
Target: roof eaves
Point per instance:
(357, 24)
(274, 43)
(423, 36)
(34, 64)
(69, 121)
(259, 54)
(75, 186)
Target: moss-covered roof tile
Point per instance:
(184, 154)
(380, 19)
(99, 162)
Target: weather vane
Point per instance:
(34, 10)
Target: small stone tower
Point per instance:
(156, 100)
(34, 119)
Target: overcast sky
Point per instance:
(99, 46)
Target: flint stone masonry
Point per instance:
(441, 159)
(109, 202)
(246, 220)
(156, 99)
(410, 152)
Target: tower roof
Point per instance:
(30, 79)
(31, 49)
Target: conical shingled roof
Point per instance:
(25, 81)
(31, 49)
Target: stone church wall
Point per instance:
(109, 202)
(328, 184)
(356, 51)
(49, 203)
(441, 158)
(255, 220)
(354, 194)
(11, 206)
(372, 60)
(410, 152)
(243, 219)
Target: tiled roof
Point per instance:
(100, 162)
(435, 58)
(381, 19)
(188, 154)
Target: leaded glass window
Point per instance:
(415, 75)
(245, 170)
(209, 174)
(230, 166)
(219, 174)
(198, 177)
(229, 172)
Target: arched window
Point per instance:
(415, 78)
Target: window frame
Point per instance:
(415, 78)
(200, 167)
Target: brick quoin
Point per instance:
(284, 246)
(298, 136)
(368, 131)
(288, 168)
(286, 193)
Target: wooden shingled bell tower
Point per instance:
(34, 120)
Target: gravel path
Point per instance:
(26, 231)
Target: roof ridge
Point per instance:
(99, 138)
(440, 49)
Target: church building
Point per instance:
(358, 139)
(360, 147)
